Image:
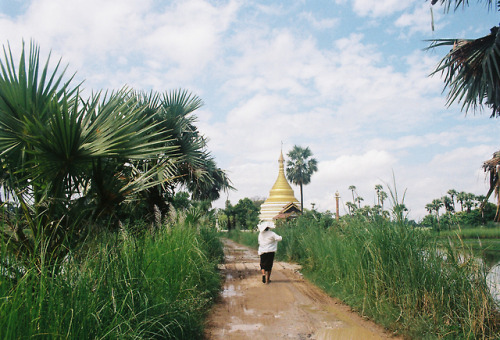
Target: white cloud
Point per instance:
(271, 61)
(459, 169)
(189, 43)
(361, 100)
(420, 20)
(380, 8)
(133, 35)
(319, 24)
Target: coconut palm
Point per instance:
(300, 168)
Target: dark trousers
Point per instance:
(266, 261)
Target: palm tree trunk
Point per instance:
(301, 199)
(497, 215)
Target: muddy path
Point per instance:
(287, 308)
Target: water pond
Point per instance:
(492, 261)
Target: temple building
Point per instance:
(281, 202)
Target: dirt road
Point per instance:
(287, 308)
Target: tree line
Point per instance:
(460, 208)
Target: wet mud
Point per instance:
(287, 308)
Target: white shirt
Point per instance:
(268, 241)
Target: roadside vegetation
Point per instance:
(412, 279)
(157, 285)
(105, 207)
(394, 273)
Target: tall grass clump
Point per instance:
(397, 275)
(394, 273)
(153, 286)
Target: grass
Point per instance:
(396, 275)
(247, 238)
(154, 286)
(472, 233)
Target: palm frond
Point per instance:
(472, 72)
(457, 4)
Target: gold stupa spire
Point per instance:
(281, 190)
(281, 194)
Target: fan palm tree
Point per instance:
(492, 167)
(359, 199)
(461, 198)
(429, 207)
(472, 74)
(64, 158)
(453, 193)
(353, 190)
(210, 183)
(195, 168)
(351, 207)
(378, 189)
(435, 205)
(448, 203)
(471, 68)
(382, 196)
(300, 168)
(469, 202)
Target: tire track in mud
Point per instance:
(287, 308)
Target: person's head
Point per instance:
(264, 226)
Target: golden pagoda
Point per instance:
(280, 196)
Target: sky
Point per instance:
(349, 79)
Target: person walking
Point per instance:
(268, 244)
